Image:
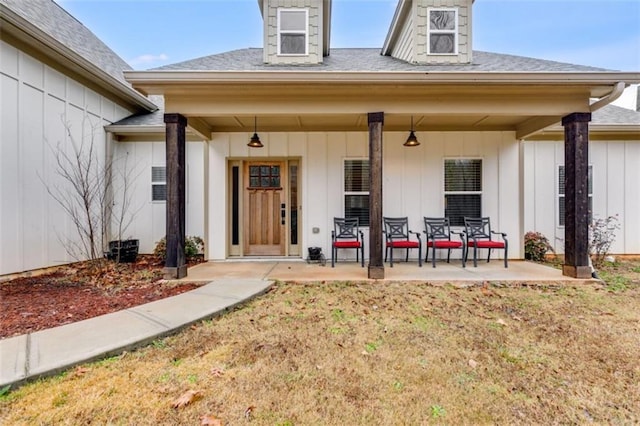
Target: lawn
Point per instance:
(384, 353)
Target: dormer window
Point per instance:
(293, 27)
(442, 31)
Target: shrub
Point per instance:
(536, 246)
(193, 246)
(602, 234)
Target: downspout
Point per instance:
(606, 100)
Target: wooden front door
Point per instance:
(264, 208)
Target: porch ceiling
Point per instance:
(522, 105)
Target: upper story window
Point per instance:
(442, 31)
(293, 34)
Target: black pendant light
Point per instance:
(412, 140)
(255, 139)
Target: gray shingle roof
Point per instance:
(612, 114)
(370, 59)
(58, 24)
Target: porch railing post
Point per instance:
(376, 265)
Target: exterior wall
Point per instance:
(314, 31)
(465, 49)
(40, 107)
(616, 189)
(404, 47)
(148, 222)
(413, 178)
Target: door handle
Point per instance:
(283, 213)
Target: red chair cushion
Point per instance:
(487, 244)
(403, 244)
(347, 244)
(445, 244)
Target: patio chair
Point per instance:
(346, 234)
(478, 234)
(438, 230)
(398, 235)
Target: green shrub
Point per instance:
(536, 246)
(193, 247)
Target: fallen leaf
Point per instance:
(186, 398)
(210, 420)
(248, 412)
(80, 371)
(217, 372)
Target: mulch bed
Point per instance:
(80, 291)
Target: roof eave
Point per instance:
(80, 65)
(391, 77)
(399, 17)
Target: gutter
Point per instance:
(85, 68)
(390, 77)
(606, 100)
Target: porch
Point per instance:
(519, 272)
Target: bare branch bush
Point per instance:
(86, 194)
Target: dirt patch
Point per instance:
(74, 293)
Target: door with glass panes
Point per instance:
(264, 212)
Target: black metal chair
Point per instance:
(397, 235)
(438, 230)
(346, 234)
(478, 234)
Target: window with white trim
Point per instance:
(561, 205)
(293, 27)
(462, 189)
(158, 183)
(442, 32)
(356, 190)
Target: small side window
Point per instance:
(158, 183)
(561, 205)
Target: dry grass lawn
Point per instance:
(387, 353)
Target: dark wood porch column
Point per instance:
(576, 195)
(175, 265)
(376, 265)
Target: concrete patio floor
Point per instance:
(301, 271)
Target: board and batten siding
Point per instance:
(616, 189)
(314, 29)
(149, 217)
(40, 107)
(412, 181)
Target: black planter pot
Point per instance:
(123, 251)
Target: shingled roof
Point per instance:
(49, 23)
(370, 60)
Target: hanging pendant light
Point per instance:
(412, 140)
(255, 139)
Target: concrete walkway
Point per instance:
(47, 352)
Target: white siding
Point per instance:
(413, 178)
(404, 46)
(616, 189)
(149, 217)
(39, 104)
